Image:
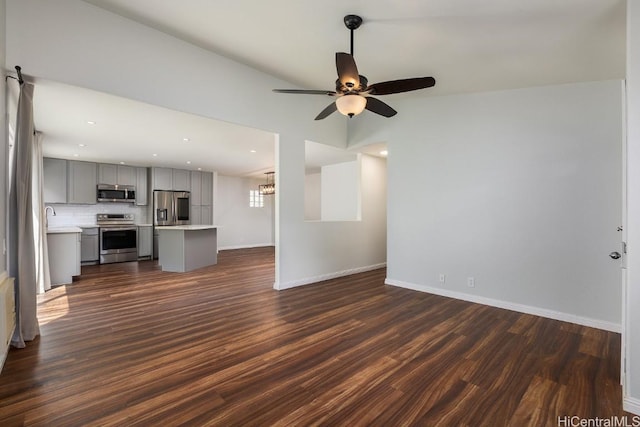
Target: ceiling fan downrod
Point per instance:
(352, 22)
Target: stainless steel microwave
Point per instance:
(116, 193)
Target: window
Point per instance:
(256, 200)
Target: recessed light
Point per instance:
(122, 163)
(82, 145)
(188, 162)
(155, 155)
(75, 154)
(199, 169)
(91, 122)
(186, 139)
(384, 152)
(253, 151)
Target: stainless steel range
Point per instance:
(118, 238)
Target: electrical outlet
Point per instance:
(471, 282)
(443, 278)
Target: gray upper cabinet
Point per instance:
(171, 179)
(206, 215)
(107, 174)
(181, 180)
(55, 180)
(127, 175)
(201, 197)
(81, 182)
(207, 189)
(116, 174)
(196, 215)
(162, 179)
(141, 187)
(196, 186)
(70, 181)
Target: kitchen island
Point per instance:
(184, 248)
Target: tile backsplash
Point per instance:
(77, 215)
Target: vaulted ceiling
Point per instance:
(467, 45)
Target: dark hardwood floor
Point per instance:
(131, 345)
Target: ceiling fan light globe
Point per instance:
(351, 105)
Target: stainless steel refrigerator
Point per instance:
(170, 208)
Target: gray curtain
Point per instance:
(43, 277)
(21, 259)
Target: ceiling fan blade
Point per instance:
(403, 85)
(347, 70)
(306, 92)
(324, 113)
(379, 107)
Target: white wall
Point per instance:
(241, 225)
(631, 334)
(73, 42)
(312, 197)
(519, 189)
(340, 192)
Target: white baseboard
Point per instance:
(251, 245)
(328, 276)
(631, 404)
(521, 308)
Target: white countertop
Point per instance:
(187, 227)
(58, 230)
(55, 228)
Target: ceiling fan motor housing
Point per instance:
(344, 89)
(352, 22)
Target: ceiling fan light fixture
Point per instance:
(351, 104)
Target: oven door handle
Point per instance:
(119, 229)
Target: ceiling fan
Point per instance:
(352, 90)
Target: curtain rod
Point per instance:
(19, 78)
(19, 71)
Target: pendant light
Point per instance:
(269, 188)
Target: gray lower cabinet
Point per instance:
(89, 246)
(55, 180)
(145, 239)
(64, 257)
(81, 182)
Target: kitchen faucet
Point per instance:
(46, 217)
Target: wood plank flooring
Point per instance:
(129, 345)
